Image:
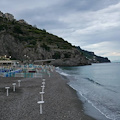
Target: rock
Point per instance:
(11, 47)
(23, 42)
(1, 14)
(9, 16)
(22, 21)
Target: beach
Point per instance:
(61, 101)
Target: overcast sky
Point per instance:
(94, 25)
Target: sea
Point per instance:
(98, 87)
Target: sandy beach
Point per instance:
(61, 101)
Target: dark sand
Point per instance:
(61, 101)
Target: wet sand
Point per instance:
(61, 101)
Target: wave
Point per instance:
(61, 72)
(65, 74)
(90, 102)
(91, 80)
(111, 90)
(102, 96)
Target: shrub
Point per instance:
(45, 47)
(17, 29)
(33, 42)
(67, 55)
(2, 27)
(56, 55)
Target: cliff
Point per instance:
(23, 42)
(92, 57)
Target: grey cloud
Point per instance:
(85, 5)
(81, 22)
(47, 18)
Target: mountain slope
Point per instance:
(92, 57)
(24, 42)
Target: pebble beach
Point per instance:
(60, 101)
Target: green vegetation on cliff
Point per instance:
(17, 39)
(31, 35)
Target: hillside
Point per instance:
(92, 57)
(23, 42)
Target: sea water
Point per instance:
(98, 86)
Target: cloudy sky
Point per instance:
(94, 25)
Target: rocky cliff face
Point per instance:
(23, 42)
(92, 57)
(12, 47)
(7, 16)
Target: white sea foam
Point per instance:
(61, 72)
(81, 94)
(65, 74)
(99, 86)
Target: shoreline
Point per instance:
(80, 102)
(61, 101)
(89, 108)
